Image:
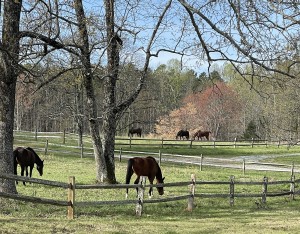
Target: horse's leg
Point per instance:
(22, 172)
(151, 188)
(30, 172)
(136, 182)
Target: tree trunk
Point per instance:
(109, 116)
(9, 52)
(101, 171)
(79, 113)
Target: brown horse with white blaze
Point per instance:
(145, 166)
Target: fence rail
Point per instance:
(200, 160)
(161, 142)
(190, 196)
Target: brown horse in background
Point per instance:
(199, 134)
(137, 131)
(145, 167)
(27, 157)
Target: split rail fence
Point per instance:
(191, 194)
(156, 142)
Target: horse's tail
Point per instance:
(129, 173)
(15, 154)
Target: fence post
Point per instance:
(120, 155)
(141, 190)
(201, 162)
(278, 143)
(159, 155)
(35, 136)
(244, 166)
(64, 136)
(162, 142)
(46, 147)
(191, 144)
(231, 191)
(130, 141)
(292, 169)
(252, 142)
(264, 190)
(292, 187)
(81, 151)
(71, 197)
(192, 193)
(234, 142)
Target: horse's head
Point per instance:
(160, 189)
(40, 167)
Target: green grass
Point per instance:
(214, 215)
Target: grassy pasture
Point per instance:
(210, 215)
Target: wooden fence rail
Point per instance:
(161, 142)
(140, 201)
(177, 158)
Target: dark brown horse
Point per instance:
(145, 167)
(183, 133)
(137, 131)
(199, 134)
(27, 157)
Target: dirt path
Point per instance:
(253, 162)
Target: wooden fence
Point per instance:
(156, 142)
(71, 186)
(201, 160)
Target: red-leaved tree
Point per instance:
(217, 109)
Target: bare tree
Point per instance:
(9, 51)
(253, 36)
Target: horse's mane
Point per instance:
(39, 160)
(158, 173)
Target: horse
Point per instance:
(27, 157)
(182, 134)
(137, 131)
(199, 134)
(142, 166)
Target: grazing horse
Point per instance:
(182, 134)
(137, 131)
(27, 157)
(199, 134)
(142, 166)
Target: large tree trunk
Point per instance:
(9, 52)
(110, 115)
(101, 171)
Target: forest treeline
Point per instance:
(172, 99)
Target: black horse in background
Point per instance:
(27, 157)
(183, 133)
(137, 131)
